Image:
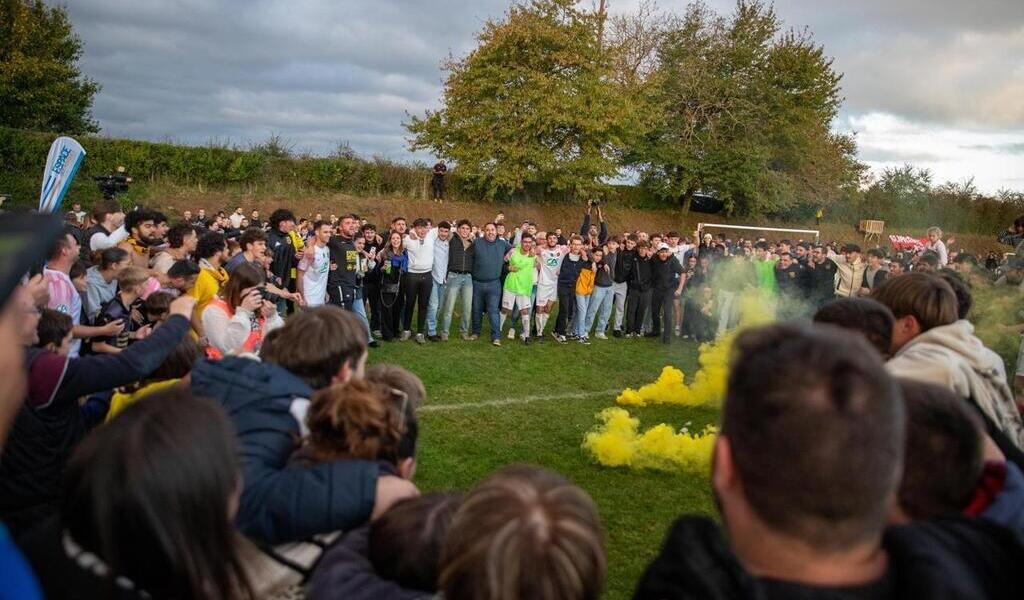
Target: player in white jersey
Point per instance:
(551, 256)
(314, 267)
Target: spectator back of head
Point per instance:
(862, 315)
(321, 346)
(524, 533)
(140, 488)
(401, 379)
(944, 454)
(962, 291)
(363, 420)
(925, 297)
(405, 544)
(816, 444)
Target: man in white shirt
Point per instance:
(439, 273)
(551, 256)
(314, 267)
(236, 218)
(418, 281)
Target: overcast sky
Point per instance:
(938, 83)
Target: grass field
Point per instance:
(553, 392)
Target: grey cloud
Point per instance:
(321, 71)
(1008, 148)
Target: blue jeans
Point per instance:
(359, 308)
(580, 319)
(436, 296)
(600, 307)
(486, 298)
(458, 288)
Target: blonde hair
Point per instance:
(400, 379)
(524, 532)
(935, 230)
(132, 277)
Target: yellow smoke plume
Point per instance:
(708, 384)
(617, 442)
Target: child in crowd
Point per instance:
(54, 331)
(124, 306)
(156, 308)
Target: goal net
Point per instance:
(702, 227)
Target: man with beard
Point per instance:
(342, 284)
(141, 227)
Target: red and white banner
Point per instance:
(906, 242)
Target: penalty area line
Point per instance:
(516, 401)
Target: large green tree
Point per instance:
(534, 103)
(743, 110)
(41, 86)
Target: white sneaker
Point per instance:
(444, 336)
(496, 342)
(405, 336)
(420, 339)
(600, 336)
(511, 333)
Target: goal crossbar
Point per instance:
(816, 232)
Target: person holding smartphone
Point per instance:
(238, 318)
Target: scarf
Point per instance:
(137, 246)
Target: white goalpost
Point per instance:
(702, 226)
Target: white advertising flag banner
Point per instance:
(62, 164)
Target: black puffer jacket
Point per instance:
(950, 559)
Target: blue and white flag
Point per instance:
(65, 157)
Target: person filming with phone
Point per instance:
(238, 318)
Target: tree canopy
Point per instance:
(743, 110)
(534, 103)
(40, 83)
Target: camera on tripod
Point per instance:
(112, 185)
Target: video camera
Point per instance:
(112, 185)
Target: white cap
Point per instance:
(662, 246)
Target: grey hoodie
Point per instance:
(951, 356)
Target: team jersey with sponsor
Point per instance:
(520, 281)
(314, 276)
(550, 261)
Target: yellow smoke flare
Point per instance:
(618, 443)
(708, 386)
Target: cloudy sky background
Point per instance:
(937, 83)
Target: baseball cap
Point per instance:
(662, 246)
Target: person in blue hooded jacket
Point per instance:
(267, 401)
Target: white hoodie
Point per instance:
(951, 356)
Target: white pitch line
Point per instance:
(514, 401)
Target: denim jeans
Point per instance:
(600, 307)
(359, 308)
(436, 296)
(621, 291)
(486, 298)
(458, 288)
(582, 305)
